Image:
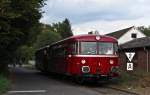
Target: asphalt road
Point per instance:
(32, 82)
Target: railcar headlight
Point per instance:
(83, 61)
(85, 69)
(111, 62)
(98, 37)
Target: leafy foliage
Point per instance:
(48, 35)
(46, 38)
(4, 84)
(17, 21)
(145, 30)
(63, 28)
(24, 54)
(53, 33)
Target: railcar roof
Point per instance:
(91, 37)
(88, 37)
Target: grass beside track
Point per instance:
(134, 80)
(4, 84)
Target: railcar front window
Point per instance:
(105, 48)
(88, 48)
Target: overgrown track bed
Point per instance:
(106, 90)
(99, 88)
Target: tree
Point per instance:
(24, 54)
(17, 19)
(63, 28)
(54, 32)
(47, 37)
(145, 30)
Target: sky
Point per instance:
(105, 16)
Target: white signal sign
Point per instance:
(130, 55)
(129, 66)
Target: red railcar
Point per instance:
(84, 56)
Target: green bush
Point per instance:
(134, 79)
(4, 84)
(126, 77)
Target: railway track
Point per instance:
(113, 91)
(99, 88)
(106, 90)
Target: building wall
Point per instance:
(127, 36)
(149, 60)
(139, 60)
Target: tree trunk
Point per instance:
(3, 69)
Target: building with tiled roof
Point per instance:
(137, 43)
(127, 34)
(141, 60)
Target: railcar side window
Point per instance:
(105, 48)
(88, 48)
(60, 52)
(116, 48)
(73, 48)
